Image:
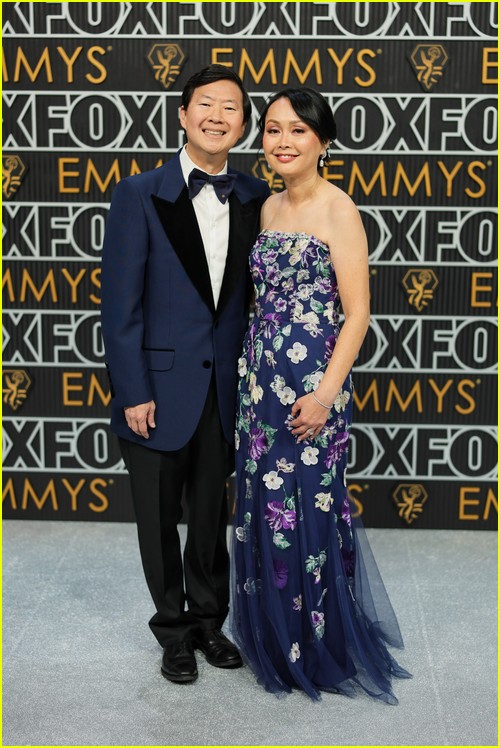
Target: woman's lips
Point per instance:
(285, 158)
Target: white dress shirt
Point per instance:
(213, 220)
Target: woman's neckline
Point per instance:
(295, 233)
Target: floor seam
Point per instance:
(425, 638)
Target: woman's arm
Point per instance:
(349, 252)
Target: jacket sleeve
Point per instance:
(124, 259)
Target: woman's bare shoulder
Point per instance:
(272, 199)
(269, 208)
(343, 224)
(339, 201)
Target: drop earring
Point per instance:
(322, 160)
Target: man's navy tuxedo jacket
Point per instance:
(162, 334)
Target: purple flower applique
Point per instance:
(271, 295)
(317, 617)
(280, 305)
(336, 450)
(318, 621)
(257, 266)
(280, 574)
(278, 517)
(346, 511)
(309, 255)
(270, 256)
(251, 343)
(270, 324)
(273, 274)
(257, 444)
(329, 346)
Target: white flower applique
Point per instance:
(294, 652)
(310, 456)
(272, 480)
(297, 353)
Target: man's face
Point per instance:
(213, 120)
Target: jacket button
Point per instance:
(207, 364)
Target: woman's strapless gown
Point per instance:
(310, 610)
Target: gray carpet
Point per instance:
(82, 668)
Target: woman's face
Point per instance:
(291, 147)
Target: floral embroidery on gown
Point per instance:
(309, 608)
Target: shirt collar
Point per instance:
(187, 165)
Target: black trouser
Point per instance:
(158, 480)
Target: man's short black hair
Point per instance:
(212, 74)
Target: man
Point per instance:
(175, 287)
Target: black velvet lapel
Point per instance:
(243, 228)
(181, 227)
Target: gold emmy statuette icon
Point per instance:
(420, 286)
(428, 61)
(167, 61)
(410, 499)
(13, 171)
(15, 386)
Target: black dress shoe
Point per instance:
(179, 663)
(217, 648)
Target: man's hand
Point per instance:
(139, 417)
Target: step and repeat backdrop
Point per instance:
(91, 93)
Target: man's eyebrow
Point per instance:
(207, 96)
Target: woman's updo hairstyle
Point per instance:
(309, 106)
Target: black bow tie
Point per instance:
(222, 184)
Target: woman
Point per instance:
(304, 614)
